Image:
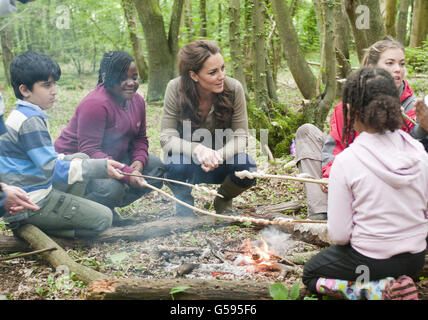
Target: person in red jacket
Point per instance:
(315, 152)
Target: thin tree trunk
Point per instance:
(235, 44)
(299, 68)
(220, 24)
(402, 21)
(174, 29)
(7, 50)
(359, 34)
(377, 26)
(203, 17)
(260, 76)
(131, 20)
(188, 20)
(391, 8)
(419, 23)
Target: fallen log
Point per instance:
(136, 232)
(39, 240)
(159, 289)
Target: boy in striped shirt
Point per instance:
(28, 159)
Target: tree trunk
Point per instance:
(419, 24)
(158, 289)
(188, 22)
(174, 29)
(360, 36)
(391, 8)
(160, 54)
(38, 240)
(402, 22)
(203, 17)
(299, 68)
(377, 26)
(260, 77)
(131, 20)
(7, 50)
(220, 25)
(235, 44)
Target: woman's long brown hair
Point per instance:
(192, 58)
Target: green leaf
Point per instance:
(294, 292)
(278, 291)
(177, 290)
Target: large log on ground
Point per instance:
(140, 231)
(157, 228)
(152, 289)
(39, 240)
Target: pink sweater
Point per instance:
(378, 193)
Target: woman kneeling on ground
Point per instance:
(110, 122)
(204, 128)
(377, 200)
(315, 151)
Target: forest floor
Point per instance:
(32, 278)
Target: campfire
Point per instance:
(258, 257)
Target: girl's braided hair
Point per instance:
(114, 65)
(373, 99)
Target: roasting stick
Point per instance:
(252, 175)
(234, 218)
(196, 187)
(407, 117)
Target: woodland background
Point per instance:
(318, 41)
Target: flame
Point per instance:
(260, 257)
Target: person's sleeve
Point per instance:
(333, 144)
(141, 143)
(35, 139)
(340, 199)
(170, 137)
(238, 142)
(7, 7)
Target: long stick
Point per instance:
(26, 254)
(252, 175)
(408, 118)
(196, 187)
(234, 218)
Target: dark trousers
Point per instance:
(113, 193)
(182, 168)
(345, 263)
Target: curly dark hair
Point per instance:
(114, 65)
(192, 58)
(373, 99)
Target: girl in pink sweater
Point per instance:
(378, 193)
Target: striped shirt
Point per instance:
(28, 159)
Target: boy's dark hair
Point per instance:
(114, 65)
(374, 99)
(30, 67)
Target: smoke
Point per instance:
(279, 242)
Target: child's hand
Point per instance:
(112, 169)
(137, 182)
(324, 187)
(17, 200)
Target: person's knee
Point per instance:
(155, 168)
(178, 166)
(304, 130)
(108, 192)
(104, 220)
(243, 162)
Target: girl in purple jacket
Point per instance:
(377, 201)
(110, 122)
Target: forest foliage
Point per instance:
(259, 39)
